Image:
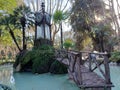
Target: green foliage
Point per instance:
(11, 23)
(8, 5)
(58, 68)
(115, 56)
(38, 59)
(26, 57)
(67, 44)
(59, 16)
(5, 39)
(85, 24)
(43, 59)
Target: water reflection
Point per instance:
(6, 76)
(29, 81)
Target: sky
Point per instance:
(67, 27)
(37, 3)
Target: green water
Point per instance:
(115, 75)
(28, 81)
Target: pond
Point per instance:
(29, 81)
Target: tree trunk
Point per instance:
(14, 39)
(24, 42)
(61, 36)
(0, 32)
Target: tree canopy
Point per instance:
(7, 5)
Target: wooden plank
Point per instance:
(64, 61)
(90, 62)
(91, 79)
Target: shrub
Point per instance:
(44, 58)
(115, 56)
(58, 68)
(67, 44)
(26, 58)
(38, 59)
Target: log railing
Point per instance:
(76, 64)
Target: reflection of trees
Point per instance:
(5, 74)
(8, 52)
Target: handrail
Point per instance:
(75, 57)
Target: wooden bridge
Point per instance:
(83, 70)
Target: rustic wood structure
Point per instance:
(82, 70)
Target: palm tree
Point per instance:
(52, 6)
(12, 22)
(58, 18)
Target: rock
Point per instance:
(18, 68)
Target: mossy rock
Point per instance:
(38, 60)
(58, 68)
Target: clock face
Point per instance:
(38, 17)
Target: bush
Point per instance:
(44, 59)
(38, 59)
(26, 58)
(115, 57)
(67, 44)
(58, 68)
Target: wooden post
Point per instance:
(69, 66)
(107, 71)
(80, 58)
(90, 62)
(79, 62)
(74, 61)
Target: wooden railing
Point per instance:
(92, 61)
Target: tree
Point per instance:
(52, 7)
(12, 21)
(8, 5)
(86, 15)
(58, 17)
(68, 44)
